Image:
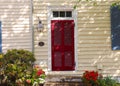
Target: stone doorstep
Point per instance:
(63, 84)
(63, 79)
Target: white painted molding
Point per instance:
(50, 17)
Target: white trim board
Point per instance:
(50, 17)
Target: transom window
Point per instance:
(62, 13)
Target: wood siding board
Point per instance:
(15, 15)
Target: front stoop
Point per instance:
(63, 84)
(63, 81)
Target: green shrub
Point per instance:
(15, 56)
(15, 65)
(107, 81)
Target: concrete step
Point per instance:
(63, 81)
(61, 78)
(63, 84)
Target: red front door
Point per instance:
(62, 45)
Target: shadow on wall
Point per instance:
(94, 34)
(94, 44)
(15, 17)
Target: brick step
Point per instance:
(63, 84)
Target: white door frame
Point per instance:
(50, 17)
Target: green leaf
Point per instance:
(75, 7)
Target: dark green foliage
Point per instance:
(15, 65)
(107, 81)
(19, 56)
(116, 3)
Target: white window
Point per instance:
(62, 13)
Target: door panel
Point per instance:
(62, 43)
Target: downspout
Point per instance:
(31, 24)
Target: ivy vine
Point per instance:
(116, 3)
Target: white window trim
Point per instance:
(50, 17)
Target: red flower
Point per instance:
(39, 72)
(90, 76)
(28, 81)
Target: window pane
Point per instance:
(115, 28)
(68, 14)
(62, 14)
(55, 13)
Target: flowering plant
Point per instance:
(90, 78)
(16, 69)
(36, 77)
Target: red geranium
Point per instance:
(39, 72)
(90, 77)
(37, 76)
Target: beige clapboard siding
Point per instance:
(26, 42)
(39, 55)
(40, 10)
(15, 46)
(92, 33)
(96, 27)
(15, 18)
(15, 38)
(93, 40)
(94, 11)
(104, 59)
(93, 49)
(53, 2)
(21, 16)
(41, 50)
(15, 15)
(14, 1)
(98, 22)
(93, 22)
(13, 6)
